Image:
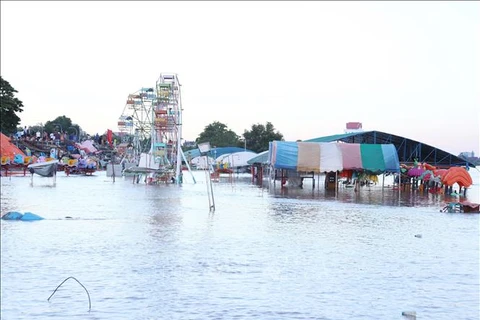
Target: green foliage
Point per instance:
(218, 135)
(62, 124)
(257, 138)
(35, 128)
(74, 129)
(260, 135)
(9, 106)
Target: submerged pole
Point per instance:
(399, 185)
(336, 183)
(188, 165)
(211, 201)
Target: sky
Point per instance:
(408, 68)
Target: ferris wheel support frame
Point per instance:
(156, 114)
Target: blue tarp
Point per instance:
(27, 216)
(390, 156)
(286, 155)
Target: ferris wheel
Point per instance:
(154, 117)
(168, 119)
(137, 117)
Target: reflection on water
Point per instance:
(376, 194)
(156, 252)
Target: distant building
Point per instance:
(466, 154)
(189, 144)
(469, 156)
(353, 127)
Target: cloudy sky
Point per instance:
(408, 68)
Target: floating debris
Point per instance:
(412, 315)
(15, 215)
(88, 294)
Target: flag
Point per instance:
(109, 136)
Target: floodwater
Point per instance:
(156, 252)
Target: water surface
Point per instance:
(156, 252)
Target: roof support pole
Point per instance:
(399, 185)
(336, 184)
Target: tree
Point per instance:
(60, 124)
(218, 135)
(258, 138)
(9, 106)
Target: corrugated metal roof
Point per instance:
(408, 150)
(332, 138)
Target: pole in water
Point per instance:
(399, 186)
(113, 171)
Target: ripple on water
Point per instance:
(155, 252)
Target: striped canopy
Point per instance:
(327, 157)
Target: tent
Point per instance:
(214, 152)
(200, 162)
(8, 149)
(86, 146)
(327, 157)
(262, 158)
(236, 159)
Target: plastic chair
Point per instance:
(5, 160)
(18, 159)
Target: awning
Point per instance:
(328, 157)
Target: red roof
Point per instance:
(354, 125)
(7, 148)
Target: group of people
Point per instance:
(55, 138)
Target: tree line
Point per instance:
(256, 139)
(218, 134)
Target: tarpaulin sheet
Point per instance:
(352, 158)
(330, 157)
(390, 155)
(372, 158)
(7, 148)
(308, 157)
(302, 156)
(286, 155)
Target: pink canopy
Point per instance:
(354, 159)
(415, 172)
(86, 146)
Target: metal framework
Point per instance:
(155, 117)
(137, 118)
(167, 120)
(408, 150)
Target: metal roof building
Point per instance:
(408, 150)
